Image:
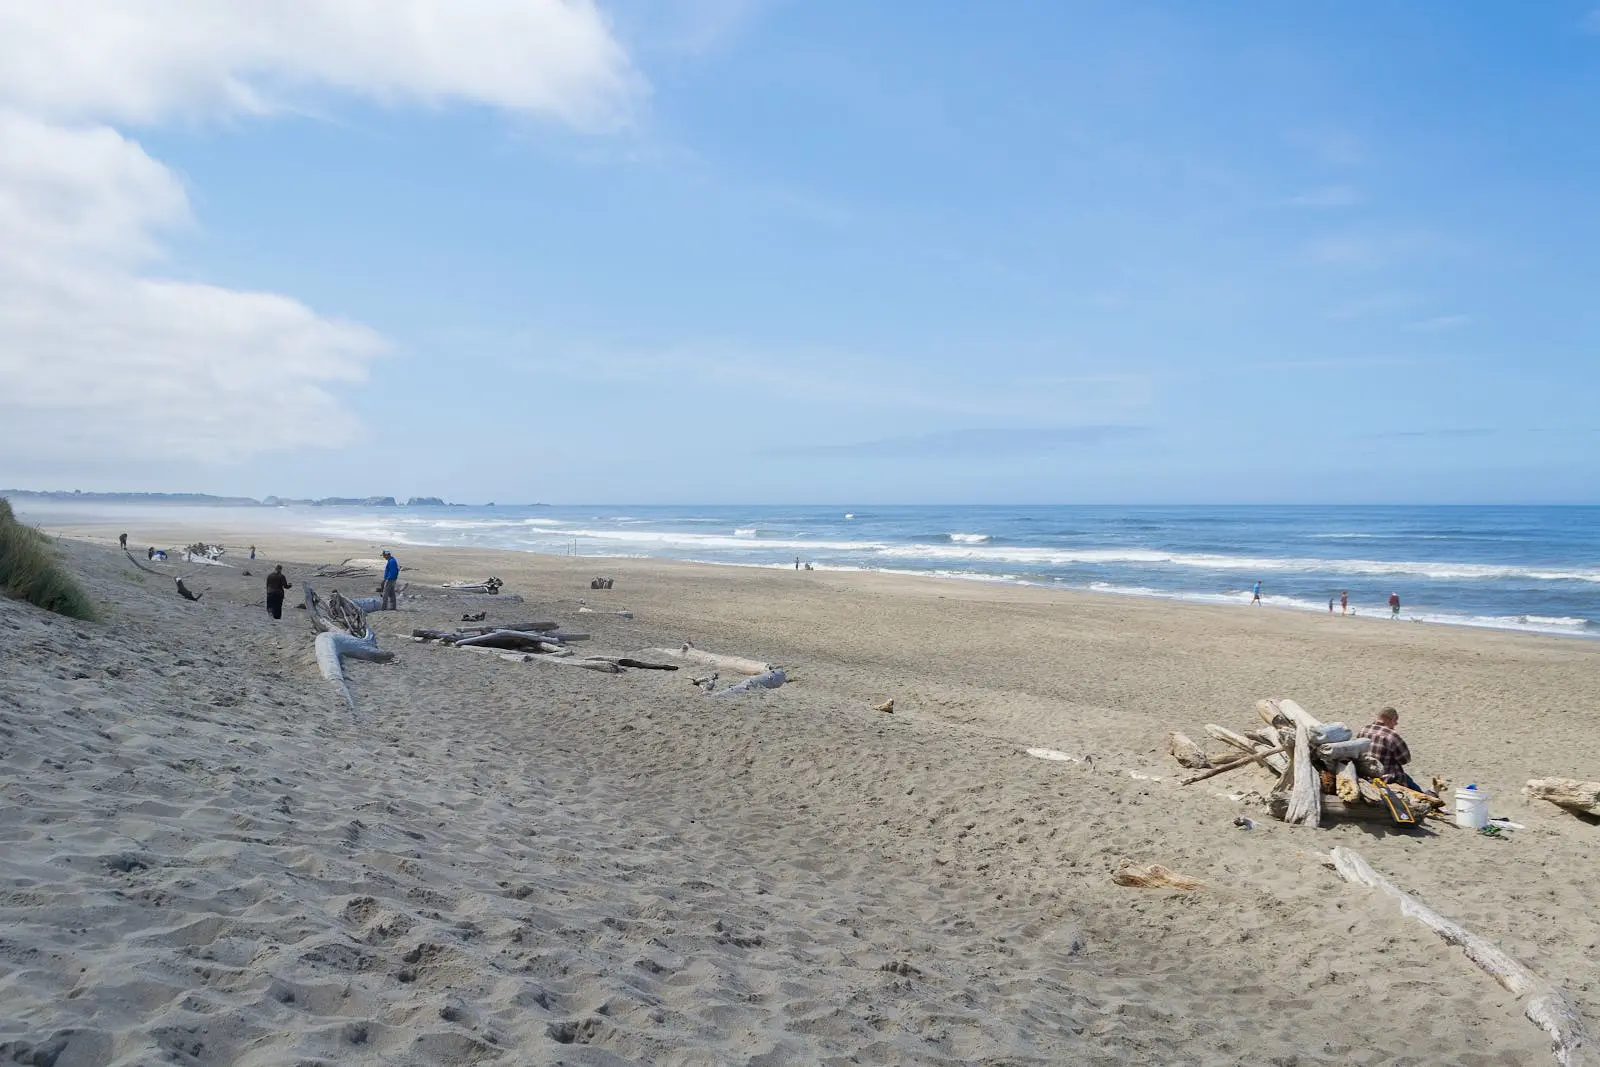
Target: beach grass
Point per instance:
(31, 571)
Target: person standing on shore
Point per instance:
(1344, 601)
(391, 574)
(277, 582)
(1394, 605)
(1256, 599)
(123, 541)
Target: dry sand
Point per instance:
(206, 858)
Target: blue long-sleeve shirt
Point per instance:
(391, 570)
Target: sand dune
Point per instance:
(207, 859)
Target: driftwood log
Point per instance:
(1223, 768)
(1547, 1008)
(690, 654)
(770, 680)
(1305, 791)
(509, 639)
(1186, 752)
(1276, 763)
(1570, 793)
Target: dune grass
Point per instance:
(30, 570)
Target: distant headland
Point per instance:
(209, 500)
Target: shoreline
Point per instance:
(90, 530)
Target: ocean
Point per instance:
(1514, 568)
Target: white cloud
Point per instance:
(147, 60)
(99, 355)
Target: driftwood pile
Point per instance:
(490, 585)
(202, 552)
(602, 583)
(1321, 769)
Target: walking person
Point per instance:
(391, 574)
(1344, 601)
(1394, 605)
(252, 551)
(1256, 599)
(277, 582)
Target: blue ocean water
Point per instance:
(1521, 568)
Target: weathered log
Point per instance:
(527, 627)
(1331, 733)
(562, 635)
(595, 611)
(640, 664)
(1547, 1008)
(690, 654)
(338, 612)
(333, 647)
(770, 680)
(510, 639)
(1570, 793)
(1305, 791)
(1242, 761)
(184, 592)
(1344, 751)
(1338, 808)
(1186, 752)
(1298, 715)
(1348, 785)
(141, 566)
(603, 666)
(1274, 763)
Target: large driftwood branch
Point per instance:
(1276, 763)
(1223, 768)
(770, 680)
(333, 647)
(1548, 1007)
(690, 654)
(1569, 793)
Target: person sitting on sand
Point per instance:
(1389, 748)
(277, 582)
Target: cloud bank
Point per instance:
(98, 352)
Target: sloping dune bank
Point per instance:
(207, 858)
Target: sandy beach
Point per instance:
(209, 859)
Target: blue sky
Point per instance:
(784, 252)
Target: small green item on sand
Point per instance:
(1490, 831)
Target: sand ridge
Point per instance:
(208, 859)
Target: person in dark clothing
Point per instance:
(391, 574)
(277, 582)
(123, 541)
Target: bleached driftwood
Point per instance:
(1348, 785)
(508, 639)
(596, 611)
(1344, 751)
(1276, 763)
(1305, 792)
(338, 612)
(1186, 752)
(1570, 793)
(1547, 1008)
(1223, 768)
(690, 654)
(639, 664)
(1331, 733)
(333, 647)
(770, 680)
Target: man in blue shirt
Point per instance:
(391, 574)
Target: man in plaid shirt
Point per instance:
(1389, 748)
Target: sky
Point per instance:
(787, 251)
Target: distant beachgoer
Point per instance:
(1256, 599)
(391, 574)
(277, 582)
(808, 566)
(123, 541)
(1330, 604)
(252, 551)
(150, 553)
(1394, 605)
(797, 563)
(1344, 601)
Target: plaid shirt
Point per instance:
(1388, 749)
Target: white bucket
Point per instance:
(1472, 809)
